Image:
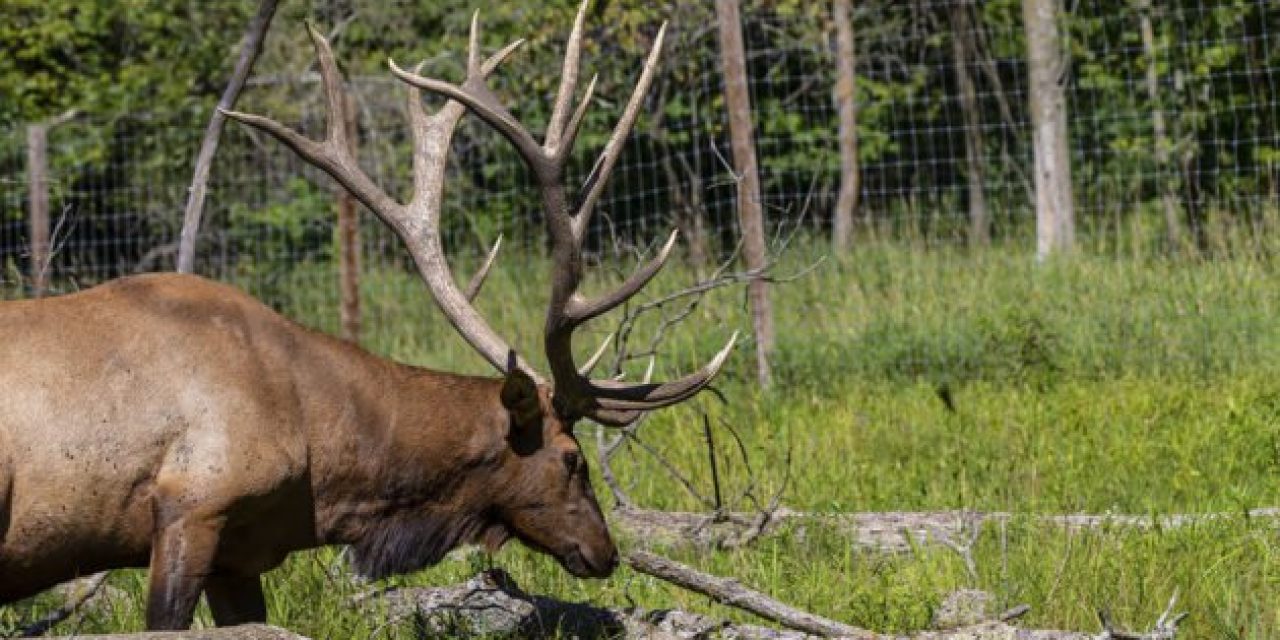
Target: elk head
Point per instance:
(546, 501)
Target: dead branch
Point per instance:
(250, 47)
(731, 592)
(78, 593)
(1166, 627)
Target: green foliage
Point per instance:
(113, 56)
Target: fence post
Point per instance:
(38, 206)
(847, 109)
(1055, 216)
(349, 241)
(750, 207)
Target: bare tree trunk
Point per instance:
(250, 46)
(847, 108)
(1055, 215)
(1172, 222)
(349, 243)
(750, 207)
(963, 54)
(38, 206)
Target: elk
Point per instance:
(175, 423)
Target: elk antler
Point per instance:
(417, 223)
(605, 401)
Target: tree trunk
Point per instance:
(750, 207)
(963, 54)
(38, 206)
(1160, 136)
(250, 47)
(1055, 215)
(349, 242)
(847, 108)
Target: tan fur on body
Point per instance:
(173, 421)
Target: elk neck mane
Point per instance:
(426, 474)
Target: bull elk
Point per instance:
(172, 422)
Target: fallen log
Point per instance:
(893, 531)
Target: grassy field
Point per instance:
(1135, 385)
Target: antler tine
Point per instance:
(570, 135)
(432, 135)
(334, 94)
(477, 280)
(594, 185)
(332, 156)
(612, 395)
(473, 44)
(580, 310)
(477, 97)
(568, 80)
(576, 395)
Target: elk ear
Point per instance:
(520, 397)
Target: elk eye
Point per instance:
(571, 460)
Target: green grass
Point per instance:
(1135, 385)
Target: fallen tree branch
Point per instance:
(731, 592)
(893, 531)
(78, 593)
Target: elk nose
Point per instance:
(613, 561)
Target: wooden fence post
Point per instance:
(733, 61)
(38, 206)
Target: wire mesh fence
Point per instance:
(1172, 114)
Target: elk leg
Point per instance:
(235, 599)
(181, 561)
(6, 492)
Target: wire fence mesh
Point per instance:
(1172, 111)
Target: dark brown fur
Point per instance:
(176, 423)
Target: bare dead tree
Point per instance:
(1046, 64)
(623, 347)
(250, 47)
